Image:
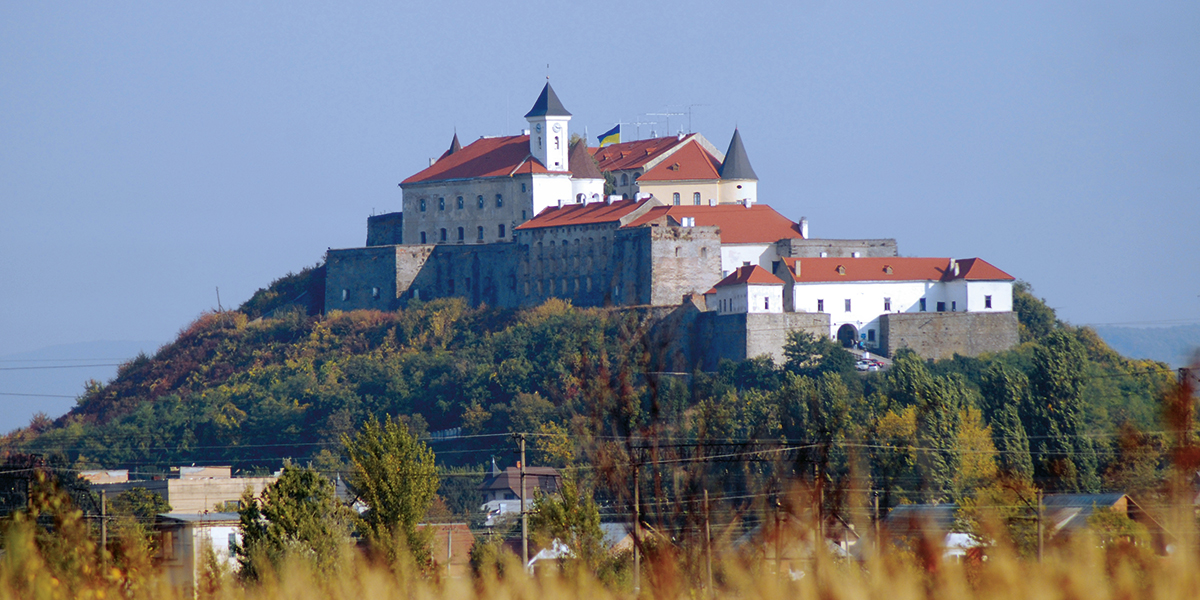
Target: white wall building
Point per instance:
(748, 290)
(855, 292)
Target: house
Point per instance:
(908, 523)
(748, 290)
(187, 541)
(501, 490)
(193, 489)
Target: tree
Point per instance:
(395, 475)
(1005, 392)
(1035, 320)
(803, 351)
(572, 518)
(1065, 455)
(298, 517)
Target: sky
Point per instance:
(153, 153)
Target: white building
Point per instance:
(749, 289)
(856, 291)
(187, 540)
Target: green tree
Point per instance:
(1066, 457)
(938, 421)
(139, 503)
(1035, 319)
(1005, 391)
(298, 517)
(396, 476)
(803, 351)
(572, 518)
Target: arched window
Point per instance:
(481, 202)
(624, 179)
(480, 233)
(696, 198)
(443, 234)
(459, 203)
(675, 198)
(499, 201)
(579, 198)
(556, 142)
(460, 234)
(422, 205)
(441, 204)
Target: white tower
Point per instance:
(548, 135)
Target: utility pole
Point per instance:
(1041, 528)
(103, 528)
(778, 545)
(637, 535)
(878, 542)
(524, 515)
(708, 548)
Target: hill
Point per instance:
(1172, 345)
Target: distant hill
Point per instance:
(1172, 345)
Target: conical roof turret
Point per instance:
(737, 163)
(548, 105)
(581, 163)
(454, 147)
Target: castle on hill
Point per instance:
(515, 220)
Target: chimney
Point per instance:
(431, 161)
(643, 196)
(746, 202)
(804, 227)
(524, 132)
(608, 200)
(560, 202)
(712, 201)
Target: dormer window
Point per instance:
(887, 269)
(841, 269)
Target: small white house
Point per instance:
(187, 539)
(855, 292)
(749, 289)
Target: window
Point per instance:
(522, 215)
(922, 305)
(441, 204)
(847, 305)
(443, 234)
(696, 198)
(501, 234)
(556, 142)
(766, 303)
(987, 301)
(887, 304)
(820, 306)
(480, 200)
(458, 203)
(522, 188)
(422, 205)
(233, 543)
(870, 335)
(499, 201)
(423, 237)
(941, 306)
(375, 293)
(460, 234)
(704, 252)
(745, 263)
(480, 238)
(345, 294)
(675, 198)
(953, 306)
(624, 179)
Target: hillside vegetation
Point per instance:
(1057, 410)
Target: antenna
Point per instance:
(668, 115)
(639, 124)
(219, 299)
(690, 106)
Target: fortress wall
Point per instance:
(812, 248)
(359, 273)
(571, 262)
(942, 335)
(386, 229)
(683, 260)
(741, 336)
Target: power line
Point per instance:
(60, 367)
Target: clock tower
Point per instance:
(548, 135)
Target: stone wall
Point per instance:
(942, 335)
(386, 229)
(812, 248)
(741, 336)
(371, 278)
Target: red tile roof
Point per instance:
(689, 163)
(582, 214)
(817, 270)
(631, 155)
(485, 157)
(759, 224)
(751, 275)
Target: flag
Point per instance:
(612, 136)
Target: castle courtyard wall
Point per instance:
(936, 335)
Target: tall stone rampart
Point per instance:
(944, 334)
(741, 336)
(816, 248)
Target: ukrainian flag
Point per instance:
(612, 136)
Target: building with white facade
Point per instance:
(747, 290)
(856, 292)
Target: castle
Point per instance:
(669, 224)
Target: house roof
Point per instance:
(211, 517)
(510, 478)
(737, 163)
(751, 275)
(547, 105)
(759, 224)
(920, 519)
(891, 268)
(690, 162)
(582, 214)
(632, 155)
(486, 157)
(581, 163)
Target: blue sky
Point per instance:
(152, 152)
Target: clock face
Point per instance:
(538, 127)
(557, 127)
